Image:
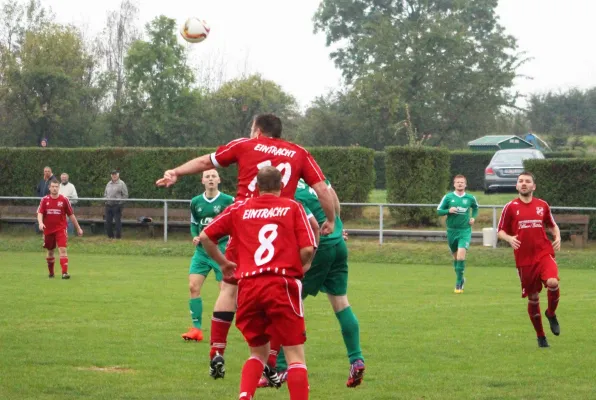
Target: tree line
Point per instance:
(417, 71)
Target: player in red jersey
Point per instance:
(51, 217)
(275, 245)
(264, 148)
(522, 225)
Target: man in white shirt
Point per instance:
(69, 191)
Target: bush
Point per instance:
(379, 170)
(416, 175)
(472, 165)
(350, 169)
(566, 183)
(562, 154)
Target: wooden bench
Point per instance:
(576, 225)
(94, 216)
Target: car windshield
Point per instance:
(512, 158)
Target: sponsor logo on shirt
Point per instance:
(530, 223)
(206, 221)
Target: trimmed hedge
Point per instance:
(471, 164)
(379, 170)
(416, 175)
(566, 182)
(351, 170)
(561, 154)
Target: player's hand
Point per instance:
(472, 220)
(228, 268)
(345, 235)
(169, 178)
(41, 226)
(327, 228)
(557, 244)
(196, 240)
(514, 242)
(453, 210)
(80, 232)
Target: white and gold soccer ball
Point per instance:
(194, 30)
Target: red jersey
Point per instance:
(54, 213)
(293, 161)
(268, 232)
(527, 221)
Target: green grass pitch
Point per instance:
(113, 332)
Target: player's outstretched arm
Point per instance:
(194, 166)
(328, 206)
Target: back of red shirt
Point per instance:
(54, 213)
(268, 232)
(527, 221)
(292, 160)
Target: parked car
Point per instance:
(504, 168)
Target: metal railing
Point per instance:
(381, 207)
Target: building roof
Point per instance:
(493, 140)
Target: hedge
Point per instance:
(416, 175)
(379, 170)
(350, 169)
(472, 165)
(566, 182)
(562, 154)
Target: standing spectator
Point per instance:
(69, 191)
(44, 143)
(43, 187)
(115, 191)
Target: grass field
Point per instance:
(113, 332)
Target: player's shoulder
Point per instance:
(227, 197)
(541, 202)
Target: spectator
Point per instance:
(69, 191)
(115, 191)
(44, 143)
(43, 188)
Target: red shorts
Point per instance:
(59, 238)
(271, 306)
(231, 255)
(534, 277)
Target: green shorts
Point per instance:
(329, 271)
(201, 264)
(459, 239)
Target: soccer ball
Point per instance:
(194, 30)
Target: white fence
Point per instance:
(381, 232)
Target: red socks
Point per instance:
(220, 326)
(553, 300)
(51, 261)
(251, 373)
(273, 352)
(298, 381)
(64, 264)
(535, 317)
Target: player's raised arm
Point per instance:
(194, 166)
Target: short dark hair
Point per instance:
(54, 180)
(460, 176)
(269, 179)
(269, 124)
(528, 173)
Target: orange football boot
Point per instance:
(193, 334)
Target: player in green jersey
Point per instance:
(456, 206)
(203, 208)
(328, 274)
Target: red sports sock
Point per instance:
(51, 261)
(298, 381)
(251, 373)
(273, 352)
(220, 326)
(553, 300)
(535, 317)
(64, 264)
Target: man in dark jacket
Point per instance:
(43, 187)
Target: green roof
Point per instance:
(492, 140)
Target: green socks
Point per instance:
(196, 311)
(459, 271)
(350, 330)
(282, 364)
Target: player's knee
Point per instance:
(195, 289)
(552, 282)
(533, 297)
(338, 303)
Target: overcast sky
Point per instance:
(275, 38)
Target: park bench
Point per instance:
(576, 225)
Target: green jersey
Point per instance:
(203, 210)
(463, 204)
(308, 198)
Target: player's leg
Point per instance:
(198, 271)
(252, 371)
(64, 262)
(297, 372)
(531, 287)
(223, 315)
(549, 274)
(463, 244)
(452, 241)
(50, 260)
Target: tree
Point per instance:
(449, 61)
